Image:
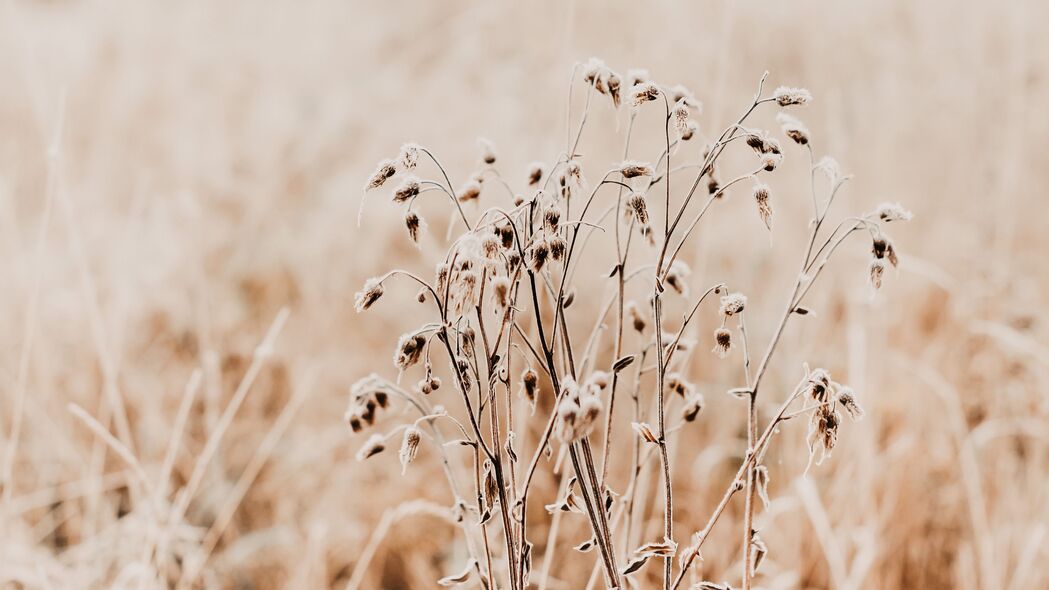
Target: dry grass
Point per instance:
(171, 178)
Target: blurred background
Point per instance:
(173, 175)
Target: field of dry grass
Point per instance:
(180, 184)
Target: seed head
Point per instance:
(490, 247)
(691, 129)
(487, 151)
(409, 350)
(877, 271)
(551, 217)
(409, 447)
(409, 157)
(636, 318)
(371, 293)
(819, 386)
(632, 169)
(761, 197)
(558, 247)
(675, 383)
(529, 386)
(501, 291)
(414, 223)
(793, 128)
(637, 76)
(892, 212)
(408, 189)
(693, 406)
(535, 173)
(722, 342)
(469, 191)
(677, 276)
(386, 169)
(680, 115)
(732, 304)
(643, 92)
(823, 430)
(637, 204)
(786, 97)
(847, 399)
(770, 161)
(375, 444)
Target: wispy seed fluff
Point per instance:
(793, 128)
(770, 161)
(722, 342)
(637, 76)
(371, 293)
(693, 406)
(761, 197)
(386, 169)
(501, 291)
(408, 189)
(681, 94)
(732, 304)
(409, 350)
(578, 411)
(786, 97)
(558, 247)
(680, 115)
(691, 129)
(637, 204)
(539, 253)
(643, 92)
(409, 157)
(632, 169)
(882, 248)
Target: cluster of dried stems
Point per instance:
(502, 297)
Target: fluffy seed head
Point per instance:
(693, 406)
(501, 291)
(408, 189)
(409, 350)
(732, 304)
(469, 191)
(847, 399)
(487, 151)
(637, 204)
(540, 251)
(413, 223)
(632, 169)
(371, 293)
(892, 212)
(558, 247)
(793, 128)
(677, 277)
(409, 157)
(375, 444)
(643, 92)
(786, 97)
(761, 197)
(722, 342)
(535, 173)
(877, 271)
(386, 169)
(636, 319)
(409, 447)
(551, 217)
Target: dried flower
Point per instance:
(892, 212)
(786, 97)
(375, 444)
(558, 247)
(409, 350)
(487, 151)
(540, 251)
(847, 399)
(535, 173)
(636, 318)
(643, 92)
(761, 197)
(770, 161)
(529, 386)
(819, 385)
(413, 223)
(693, 406)
(408, 189)
(632, 169)
(680, 114)
(823, 430)
(722, 342)
(501, 291)
(637, 204)
(409, 157)
(793, 128)
(371, 293)
(469, 191)
(386, 169)
(677, 276)
(409, 447)
(506, 236)
(877, 271)
(551, 217)
(732, 304)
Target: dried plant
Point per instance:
(502, 300)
